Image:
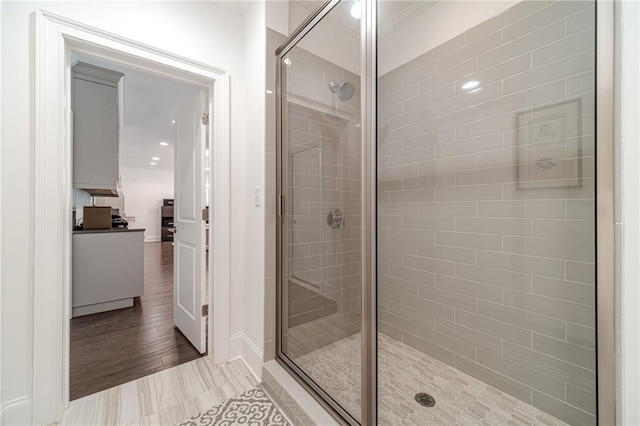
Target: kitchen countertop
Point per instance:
(101, 231)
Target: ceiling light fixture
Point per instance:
(155, 158)
(470, 85)
(287, 61)
(164, 143)
(153, 164)
(356, 10)
(173, 121)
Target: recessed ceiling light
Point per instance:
(153, 164)
(164, 144)
(206, 169)
(173, 121)
(155, 158)
(206, 152)
(470, 85)
(356, 10)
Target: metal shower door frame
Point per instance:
(369, 252)
(605, 208)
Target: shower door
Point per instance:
(319, 158)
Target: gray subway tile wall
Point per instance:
(483, 264)
(323, 156)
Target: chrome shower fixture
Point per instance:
(344, 90)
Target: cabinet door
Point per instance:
(95, 129)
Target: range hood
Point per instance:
(98, 189)
(102, 192)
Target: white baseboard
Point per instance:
(101, 307)
(16, 412)
(152, 239)
(242, 347)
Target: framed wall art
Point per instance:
(549, 146)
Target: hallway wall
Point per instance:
(249, 341)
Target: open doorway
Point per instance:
(57, 38)
(138, 294)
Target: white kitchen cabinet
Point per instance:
(95, 129)
(107, 269)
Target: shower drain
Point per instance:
(425, 399)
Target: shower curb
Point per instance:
(294, 400)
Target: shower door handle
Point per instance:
(281, 205)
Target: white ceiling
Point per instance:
(392, 14)
(149, 104)
(237, 6)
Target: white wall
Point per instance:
(143, 191)
(628, 213)
(16, 357)
(206, 32)
(254, 45)
(277, 15)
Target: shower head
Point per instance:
(344, 90)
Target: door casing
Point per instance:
(55, 38)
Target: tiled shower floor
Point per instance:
(402, 372)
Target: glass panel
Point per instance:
(486, 255)
(321, 279)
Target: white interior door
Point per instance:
(189, 251)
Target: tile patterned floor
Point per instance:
(403, 371)
(252, 407)
(163, 398)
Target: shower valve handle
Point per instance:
(335, 219)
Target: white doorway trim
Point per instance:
(55, 38)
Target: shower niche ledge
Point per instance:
(337, 110)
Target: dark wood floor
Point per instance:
(111, 348)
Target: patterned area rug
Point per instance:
(252, 408)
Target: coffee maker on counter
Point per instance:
(117, 221)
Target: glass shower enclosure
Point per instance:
(437, 258)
